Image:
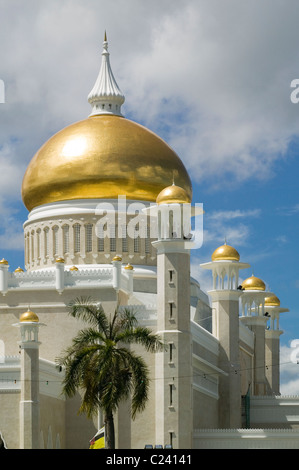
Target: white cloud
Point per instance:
(234, 227)
(233, 214)
(213, 76)
(288, 371)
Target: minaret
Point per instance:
(253, 316)
(173, 366)
(225, 267)
(29, 404)
(106, 96)
(272, 353)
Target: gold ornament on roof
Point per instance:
(29, 316)
(173, 195)
(117, 258)
(225, 252)
(253, 283)
(272, 301)
(129, 267)
(19, 270)
(74, 268)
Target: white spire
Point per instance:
(106, 97)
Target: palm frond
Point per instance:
(91, 312)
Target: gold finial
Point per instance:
(105, 36)
(129, 267)
(19, 270)
(74, 268)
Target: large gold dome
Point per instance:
(103, 156)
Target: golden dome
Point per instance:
(272, 301)
(129, 267)
(253, 283)
(19, 270)
(59, 260)
(225, 252)
(173, 194)
(4, 261)
(117, 258)
(103, 156)
(74, 268)
(29, 316)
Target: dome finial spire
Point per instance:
(106, 97)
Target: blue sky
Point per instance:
(211, 77)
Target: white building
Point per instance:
(217, 385)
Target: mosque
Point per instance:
(217, 383)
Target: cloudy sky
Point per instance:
(211, 77)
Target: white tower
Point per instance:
(225, 267)
(173, 366)
(273, 332)
(29, 403)
(253, 316)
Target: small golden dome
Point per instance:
(272, 301)
(173, 195)
(74, 268)
(129, 267)
(253, 283)
(59, 260)
(225, 252)
(29, 316)
(117, 258)
(19, 270)
(102, 157)
(4, 261)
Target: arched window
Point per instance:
(88, 238)
(65, 238)
(124, 239)
(38, 240)
(100, 235)
(136, 239)
(112, 239)
(77, 238)
(55, 240)
(148, 240)
(32, 246)
(46, 234)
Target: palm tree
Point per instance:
(100, 364)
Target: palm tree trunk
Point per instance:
(109, 431)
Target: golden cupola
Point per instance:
(173, 195)
(103, 156)
(272, 301)
(225, 253)
(253, 283)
